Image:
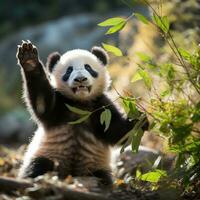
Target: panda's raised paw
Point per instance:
(27, 55)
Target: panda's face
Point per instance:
(80, 75)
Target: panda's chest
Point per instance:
(74, 149)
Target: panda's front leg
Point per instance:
(27, 56)
(38, 93)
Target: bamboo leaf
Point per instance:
(116, 28)
(112, 21)
(82, 119)
(165, 21)
(142, 18)
(138, 173)
(116, 51)
(161, 22)
(136, 77)
(142, 74)
(136, 139)
(147, 79)
(77, 110)
(144, 57)
(105, 118)
(185, 54)
(154, 176)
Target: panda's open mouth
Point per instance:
(81, 88)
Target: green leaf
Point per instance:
(142, 74)
(161, 22)
(185, 54)
(130, 108)
(165, 93)
(136, 77)
(142, 18)
(126, 105)
(77, 110)
(129, 136)
(152, 125)
(82, 119)
(138, 173)
(154, 176)
(112, 21)
(105, 118)
(147, 79)
(133, 111)
(116, 28)
(127, 140)
(144, 57)
(196, 114)
(136, 139)
(165, 21)
(116, 51)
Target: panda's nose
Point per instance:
(80, 79)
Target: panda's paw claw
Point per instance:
(27, 55)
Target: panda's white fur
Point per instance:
(32, 149)
(40, 146)
(78, 58)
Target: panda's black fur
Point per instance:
(80, 149)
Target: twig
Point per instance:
(8, 184)
(74, 195)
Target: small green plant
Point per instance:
(175, 111)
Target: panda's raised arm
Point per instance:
(39, 94)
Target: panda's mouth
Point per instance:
(81, 88)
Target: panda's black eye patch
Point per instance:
(91, 71)
(67, 73)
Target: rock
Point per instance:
(127, 163)
(15, 126)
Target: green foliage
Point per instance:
(144, 75)
(142, 18)
(134, 136)
(112, 21)
(175, 109)
(136, 77)
(116, 23)
(105, 118)
(144, 57)
(84, 114)
(116, 51)
(77, 110)
(153, 176)
(136, 139)
(185, 54)
(161, 22)
(80, 120)
(116, 28)
(130, 108)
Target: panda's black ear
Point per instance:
(52, 59)
(101, 54)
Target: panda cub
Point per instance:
(78, 78)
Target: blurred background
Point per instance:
(67, 24)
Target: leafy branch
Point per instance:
(175, 111)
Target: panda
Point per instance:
(78, 78)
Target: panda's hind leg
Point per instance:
(38, 166)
